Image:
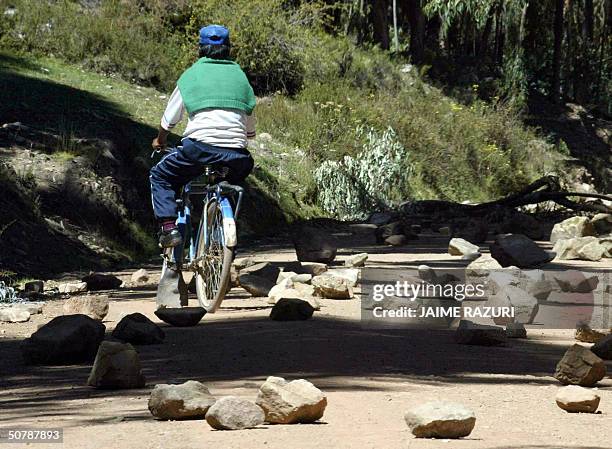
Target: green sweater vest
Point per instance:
(216, 83)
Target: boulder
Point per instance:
(185, 401)
(291, 309)
(64, 339)
(314, 245)
(603, 348)
(518, 250)
(585, 334)
(602, 224)
(579, 366)
(461, 247)
(581, 248)
(137, 329)
(525, 306)
(181, 316)
(234, 413)
(516, 330)
(298, 401)
(332, 286)
(469, 333)
(482, 267)
(575, 281)
(94, 306)
(289, 289)
(440, 419)
(72, 287)
(256, 285)
(575, 399)
(571, 228)
(356, 260)
(34, 287)
(140, 276)
(101, 281)
(396, 240)
(263, 270)
(116, 366)
(14, 314)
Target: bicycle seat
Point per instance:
(211, 175)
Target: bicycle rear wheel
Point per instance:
(214, 260)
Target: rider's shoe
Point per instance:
(169, 236)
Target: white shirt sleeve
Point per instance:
(250, 126)
(174, 111)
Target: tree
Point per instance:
(558, 41)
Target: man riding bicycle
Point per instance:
(219, 102)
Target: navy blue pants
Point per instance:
(186, 163)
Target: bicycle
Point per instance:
(209, 251)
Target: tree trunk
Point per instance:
(395, 36)
(556, 61)
(588, 25)
(379, 21)
(416, 19)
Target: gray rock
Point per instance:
(581, 248)
(72, 287)
(255, 285)
(575, 281)
(313, 268)
(396, 240)
(575, 399)
(482, 267)
(298, 401)
(185, 401)
(101, 281)
(356, 260)
(603, 348)
(233, 413)
(440, 419)
(14, 314)
(518, 250)
(65, 339)
(140, 276)
(571, 228)
(525, 306)
(314, 245)
(579, 366)
(461, 247)
(289, 289)
(263, 270)
(95, 307)
(469, 333)
(291, 309)
(516, 330)
(332, 287)
(602, 224)
(116, 366)
(181, 316)
(137, 329)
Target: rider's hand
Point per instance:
(158, 144)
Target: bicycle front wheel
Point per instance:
(214, 260)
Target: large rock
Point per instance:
(482, 267)
(256, 285)
(518, 250)
(95, 307)
(288, 289)
(603, 348)
(233, 413)
(581, 248)
(297, 401)
(137, 329)
(602, 224)
(575, 399)
(72, 287)
(263, 270)
(117, 366)
(350, 274)
(64, 339)
(579, 366)
(575, 281)
(332, 287)
(181, 316)
(440, 419)
(291, 309)
(314, 245)
(571, 228)
(101, 281)
(185, 401)
(14, 314)
(461, 247)
(469, 333)
(524, 305)
(140, 276)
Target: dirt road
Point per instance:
(371, 377)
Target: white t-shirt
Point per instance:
(218, 127)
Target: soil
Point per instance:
(370, 376)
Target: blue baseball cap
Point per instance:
(214, 35)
